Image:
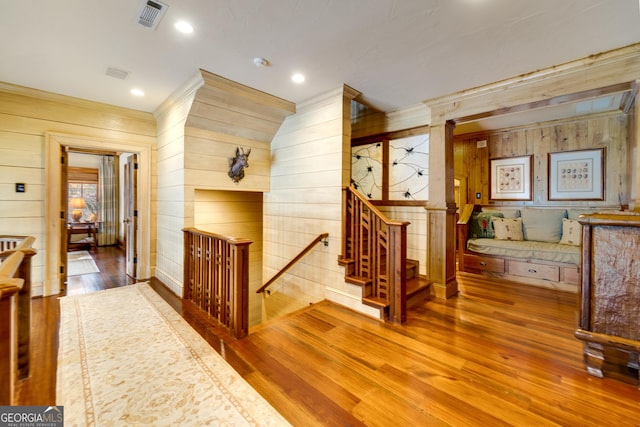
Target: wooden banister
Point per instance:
(10, 244)
(216, 277)
(293, 262)
(374, 250)
(10, 288)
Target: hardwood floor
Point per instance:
(498, 354)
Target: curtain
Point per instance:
(108, 196)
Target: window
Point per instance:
(83, 183)
(392, 167)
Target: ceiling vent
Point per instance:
(117, 73)
(151, 12)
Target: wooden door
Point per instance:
(131, 213)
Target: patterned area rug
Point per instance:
(127, 358)
(80, 263)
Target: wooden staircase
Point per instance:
(417, 289)
(374, 254)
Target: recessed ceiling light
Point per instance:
(297, 78)
(137, 92)
(184, 27)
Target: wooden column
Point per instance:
(634, 142)
(441, 212)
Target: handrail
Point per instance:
(292, 262)
(11, 264)
(11, 244)
(374, 209)
(216, 277)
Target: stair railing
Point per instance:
(375, 248)
(216, 277)
(15, 312)
(294, 261)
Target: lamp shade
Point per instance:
(77, 203)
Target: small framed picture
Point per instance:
(577, 175)
(510, 178)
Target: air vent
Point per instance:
(151, 12)
(117, 73)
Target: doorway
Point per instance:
(100, 200)
(56, 147)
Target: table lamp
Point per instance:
(77, 204)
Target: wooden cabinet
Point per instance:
(610, 289)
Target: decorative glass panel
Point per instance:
(409, 168)
(366, 170)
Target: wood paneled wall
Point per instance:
(416, 231)
(173, 213)
(310, 165)
(224, 116)
(199, 131)
(26, 115)
(609, 131)
(367, 121)
(236, 213)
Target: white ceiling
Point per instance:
(396, 52)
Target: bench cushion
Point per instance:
(526, 249)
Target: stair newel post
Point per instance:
(186, 265)
(239, 317)
(397, 241)
(24, 309)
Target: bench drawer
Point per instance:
(571, 275)
(537, 271)
(478, 262)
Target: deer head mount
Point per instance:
(238, 163)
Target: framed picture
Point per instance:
(577, 175)
(510, 178)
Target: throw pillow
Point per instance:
(571, 232)
(481, 225)
(508, 228)
(543, 225)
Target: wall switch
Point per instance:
(478, 195)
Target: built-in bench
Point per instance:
(535, 245)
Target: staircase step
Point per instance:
(418, 291)
(412, 268)
(345, 261)
(358, 280)
(375, 302)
